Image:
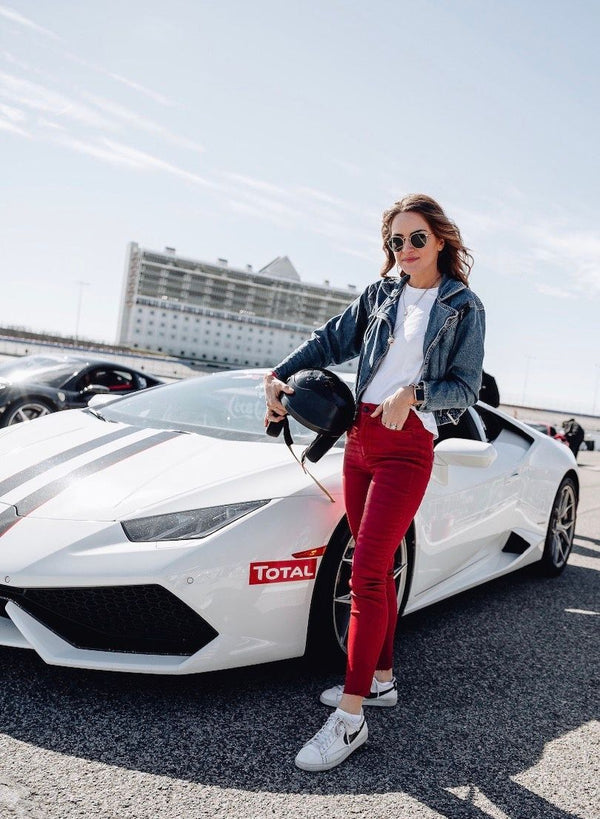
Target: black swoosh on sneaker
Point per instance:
(374, 695)
(350, 737)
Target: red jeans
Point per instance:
(386, 473)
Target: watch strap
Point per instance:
(419, 391)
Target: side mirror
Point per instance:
(461, 452)
(95, 389)
(102, 400)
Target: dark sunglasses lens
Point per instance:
(396, 243)
(418, 239)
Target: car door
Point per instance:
(105, 378)
(468, 512)
(74, 389)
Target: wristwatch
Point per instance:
(419, 391)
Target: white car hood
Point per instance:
(71, 465)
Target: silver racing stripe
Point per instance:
(8, 518)
(32, 502)
(33, 471)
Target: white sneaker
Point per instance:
(336, 740)
(383, 694)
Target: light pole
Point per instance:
(528, 358)
(596, 388)
(81, 285)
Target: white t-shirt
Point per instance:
(403, 361)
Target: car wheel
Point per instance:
(330, 610)
(561, 529)
(25, 411)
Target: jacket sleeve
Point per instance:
(461, 384)
(338, 340)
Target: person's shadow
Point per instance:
(486, 680)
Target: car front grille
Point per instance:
(136, 619)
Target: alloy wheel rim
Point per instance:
(563, 526)
(29, 412)
(341, 595)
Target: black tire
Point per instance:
(26, 409)
(561, 529)
(330, 609)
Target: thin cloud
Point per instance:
(326, 198)
(359, 254)
(15, 17)
(575, 252)
(257, 212)
(26, 22)
(46, 123)
(474, 222)
(12, 114)
(148, 92)
(136, 86)
(6, 125)
(271, 206)
(99, 152)
(292, 194)
(43, 99)
(555, 292)
(552, 250)
(10, 58)
(351, 168)
(312, 210)
(143, 90)
(150, 161)
(256, 184)
(142, 123)
(119, 154)
(343, 234)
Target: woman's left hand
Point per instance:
(394, 410)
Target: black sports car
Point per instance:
(35, 385)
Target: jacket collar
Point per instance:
(449, 287)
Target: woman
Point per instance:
(419, 338)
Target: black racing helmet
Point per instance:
(322, 402)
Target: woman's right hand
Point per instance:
(273, 389)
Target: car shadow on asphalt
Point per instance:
(594, 540)
(486, 680)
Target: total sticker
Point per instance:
(283, 571)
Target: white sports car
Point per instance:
(164, 532)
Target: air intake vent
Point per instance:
(134, 619)
(516, 544)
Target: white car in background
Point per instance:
(166, 533)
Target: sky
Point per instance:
(251, 130)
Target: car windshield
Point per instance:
(224, 405)
(53, 372)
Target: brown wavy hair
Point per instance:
(454, 259)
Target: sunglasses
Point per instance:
(418, 239)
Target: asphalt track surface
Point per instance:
(498, 717)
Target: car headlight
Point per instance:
(188, 525)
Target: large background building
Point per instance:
(219, 315)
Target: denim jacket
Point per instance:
(453, 346)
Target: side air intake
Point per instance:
(516, 544)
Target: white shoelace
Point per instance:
(323, 738)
